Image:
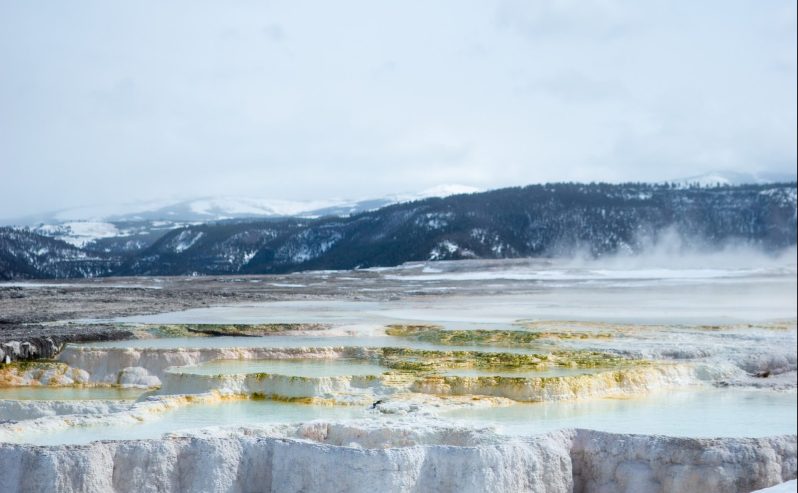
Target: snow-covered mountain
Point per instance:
(135, 225)
(535, 221)
(127, 235)
(726, 177)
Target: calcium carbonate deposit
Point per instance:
(428, 377)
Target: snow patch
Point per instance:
(79, 233)
(185, 240)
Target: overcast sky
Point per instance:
(124, 101)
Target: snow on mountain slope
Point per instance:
(135, 225)
(533, 221)
(79, 233)
(229, 207)
(107, 236)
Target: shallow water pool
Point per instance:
(692, 413)
(68, 393)
(297, 341)
(289, 367)
(548, 372)
(193, 417)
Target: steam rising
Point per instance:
(670, 249)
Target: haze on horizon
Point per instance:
(111, 103)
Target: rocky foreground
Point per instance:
(328, 457)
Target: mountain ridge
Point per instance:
(532, 221)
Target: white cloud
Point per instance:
(110, 102)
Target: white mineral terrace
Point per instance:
(632, 381)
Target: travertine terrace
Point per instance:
(462, 376)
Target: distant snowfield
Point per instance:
(232, 207)
(727, 177)
(227, 207)
(79, 233)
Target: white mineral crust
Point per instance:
(329, 457)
